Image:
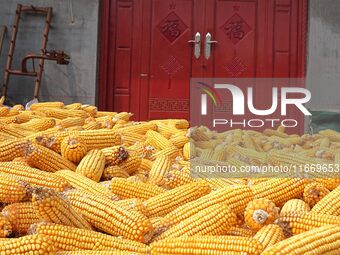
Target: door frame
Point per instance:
(107, 11)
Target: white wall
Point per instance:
(323, 73)
(73, 83)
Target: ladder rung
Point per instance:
(29, 8)
(18, 72)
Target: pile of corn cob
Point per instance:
(75, 180)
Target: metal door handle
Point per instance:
(197, 43)
(207, 48)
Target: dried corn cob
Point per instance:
(158, 141)
(93, 125)
(5, 227)
(214, 220)
(131, 164)
(21, 216)
(33, 176)
(260, 212)
(39, 105)
(139, 128)
(130, 138)
(211, 245)
(71, 121)
(31, 244)
(295, 205)
(330, 204)
(10, 131)
(53, 207)
(125, 189)
(115, 155)
(114, 171)
(73, 148)
(91, 252)
(314, 192)
(239, 231)
(299, 222)
(145, 165)
(12, 149)
(83, 183)
(166, 202)
(4, 110)
(113, 219)
(177, 177)
(123, 116)
(133, 204)
(13, 190)
(280, 190)
(323, 240)
(74, 106)
(179, 141)
(99, 139)
(189, 150)
(90, 109)
(46, 159)
(39, 124)
(329, 183)
(269, 235)
(92, 165)
(21, 160)
(160, 168)
(237, 197)
(171, 152)
(62, 113)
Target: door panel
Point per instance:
(171, 57)
(146, 61)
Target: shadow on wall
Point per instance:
(74, 30)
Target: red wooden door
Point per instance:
(146, 61)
